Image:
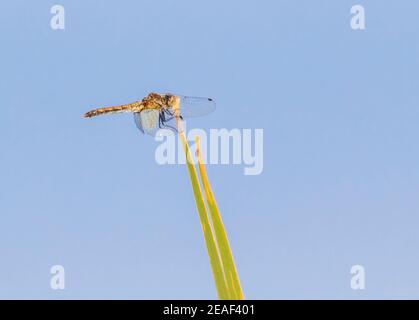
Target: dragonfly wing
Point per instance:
(147, 121)
(196, 106)
(137, 119)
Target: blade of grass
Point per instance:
(213, 253)
(232, 277)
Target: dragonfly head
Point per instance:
(172, 101)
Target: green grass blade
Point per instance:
(213, 253)
(232, 277)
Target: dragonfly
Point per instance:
(160, 111)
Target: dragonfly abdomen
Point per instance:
(132, 107)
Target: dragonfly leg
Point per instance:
(160, 121)
(170, 127)
(162, 116)
(170, 113)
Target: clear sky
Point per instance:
(340, 114)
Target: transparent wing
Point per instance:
(147, 121)
(195, 106)
(137, 119)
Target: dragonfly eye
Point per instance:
(169, 100)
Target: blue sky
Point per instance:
(339, 110)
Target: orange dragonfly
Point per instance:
(159, 111)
